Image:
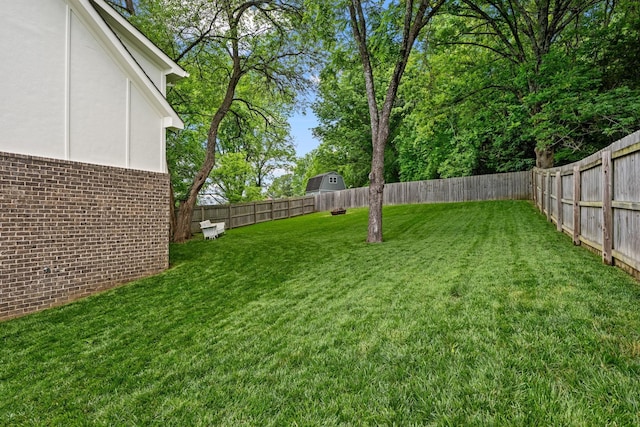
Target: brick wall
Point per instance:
(69, 229)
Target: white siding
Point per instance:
(146, 146)
(71, 91)
(151, 69)
(98, 102)
(32, 104)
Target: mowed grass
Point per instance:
(467, 314)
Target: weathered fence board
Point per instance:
(591, 224)
(626, 175)
(600, 199)
(592, 184)
(626, 232)
(567, 201)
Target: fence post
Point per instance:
(607, 214)
(576, 204)
(547, 185)
(559, 201)
(230, 214)
(534, 189)
(255, 213)
(542, 194)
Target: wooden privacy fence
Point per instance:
(238, 215)
(504, 186)
(597, 201)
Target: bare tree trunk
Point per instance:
(544, 157)
(182, 231)
(376, 192)
(185, 212)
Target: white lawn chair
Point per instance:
(219, 227)
(211, 230)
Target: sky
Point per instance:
(301, 125)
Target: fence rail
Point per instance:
(239, 215)
(504, 186)
(597, 201)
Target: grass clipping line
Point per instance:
(468, 313)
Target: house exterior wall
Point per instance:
(147, 148)
(67, 96)
(154, 72)
(32, 113)
(70, 229)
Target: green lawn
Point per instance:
(468, 314)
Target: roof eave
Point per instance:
(172, 70)
(173, 122)
(88, 9)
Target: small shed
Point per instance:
(330, 181)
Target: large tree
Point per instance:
(222, 44)
(401, 25)
(523, 33)
(472, 111)
(258, 39)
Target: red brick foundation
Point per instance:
(69, 229)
